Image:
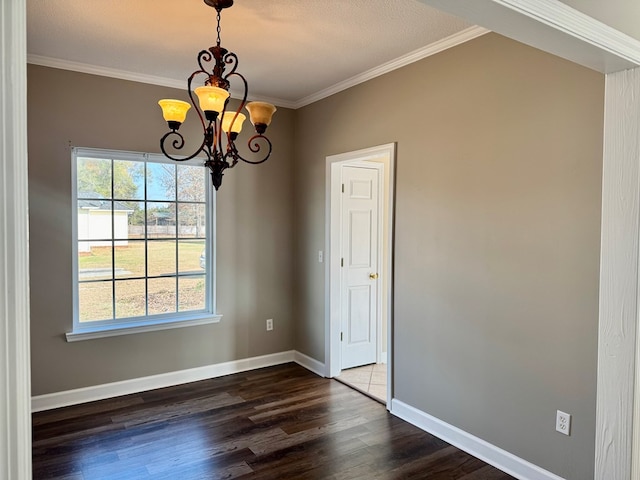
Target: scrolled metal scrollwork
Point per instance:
(231, 59)
(178, 144)
(206, 56)
(255, 146)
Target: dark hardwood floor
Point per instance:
(274, 423)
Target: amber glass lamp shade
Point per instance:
(228, 123)
(260, 114)
(212, 99)
(174, 111)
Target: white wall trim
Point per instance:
(309, 363)
(15, 377)
(618, 276)
(485, 451)
(562, 17)
(411, 57)
(104, 71)
(117, 330)
(136, 385)
(551, 26)
(135, 77)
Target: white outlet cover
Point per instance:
(563, 423)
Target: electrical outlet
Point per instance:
(563, 423)
(269, 324)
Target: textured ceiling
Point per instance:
(288, 49)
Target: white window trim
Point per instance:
(110, 328)
(132, 327)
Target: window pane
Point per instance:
(191, 256)
(162, 295)
(128, 180)
(161, 258)
(130, 259)
(161, 181)
(192, 221)
(191, 293)
(130, 298)
(94, 219)
(96, 301)
(121, 214)
(161, 220)
(191, 183)
(94, 261)
(93, 178)
(136, 219)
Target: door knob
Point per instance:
(373, 276)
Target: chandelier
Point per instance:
(220, 126)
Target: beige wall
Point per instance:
(253, 243)
(498, 194)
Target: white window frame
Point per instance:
(124, 326)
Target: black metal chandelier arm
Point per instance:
(245, 85)
(255, 147)
(196, 105)
(178, 144)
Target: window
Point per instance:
(143, 247)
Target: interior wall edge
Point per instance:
(618, 306)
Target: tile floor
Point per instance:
(369, 379)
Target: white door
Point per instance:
(359, 261)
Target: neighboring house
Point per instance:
(95, 220)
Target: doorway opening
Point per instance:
(358, 270)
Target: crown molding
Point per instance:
(134, 77)
(553, 27)
(411, 57)
(103, 71)
(562, 17)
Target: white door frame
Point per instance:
(15, 379)
(386, 153)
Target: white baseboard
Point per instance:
(136, 385)
(309, 363)
(505, 461)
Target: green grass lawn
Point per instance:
(96, 298)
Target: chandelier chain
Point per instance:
(218, 28)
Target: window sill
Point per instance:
(116, 330)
